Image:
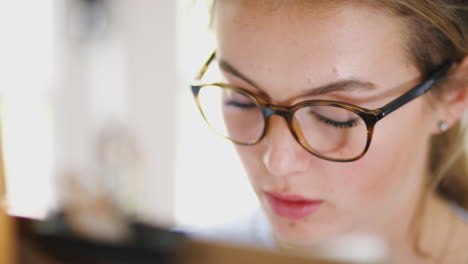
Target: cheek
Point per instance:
(395, 163)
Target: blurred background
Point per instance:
(100, 88)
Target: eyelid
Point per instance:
(238, 97)
(348, 123)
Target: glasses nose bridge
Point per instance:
(282, 111)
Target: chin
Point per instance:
(310, 230)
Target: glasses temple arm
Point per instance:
(416, 91)
(205, 66)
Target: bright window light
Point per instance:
(27, 66)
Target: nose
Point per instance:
(283, 155)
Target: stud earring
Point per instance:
(443, 126)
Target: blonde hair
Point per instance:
(439, 30)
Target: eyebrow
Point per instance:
(225, 66)
(340, 85)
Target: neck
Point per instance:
(426, 235)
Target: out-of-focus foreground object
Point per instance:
(56, 244)
(7, 225)
(89, 227)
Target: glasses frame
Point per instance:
(370, 116)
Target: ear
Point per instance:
(455, 96)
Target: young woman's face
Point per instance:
(288, 51)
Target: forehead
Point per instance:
(311, 41)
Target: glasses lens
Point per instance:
(232, 114)
(332, 132)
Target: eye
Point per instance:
(339, 124)
(240, 104)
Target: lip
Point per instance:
(292, 206)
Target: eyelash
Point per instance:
(241, 105)
(347, 124)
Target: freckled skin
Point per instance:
(377, 193)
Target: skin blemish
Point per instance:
(285, 189)
(292, 224)
(334, 70)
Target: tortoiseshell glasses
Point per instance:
(331, 130)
